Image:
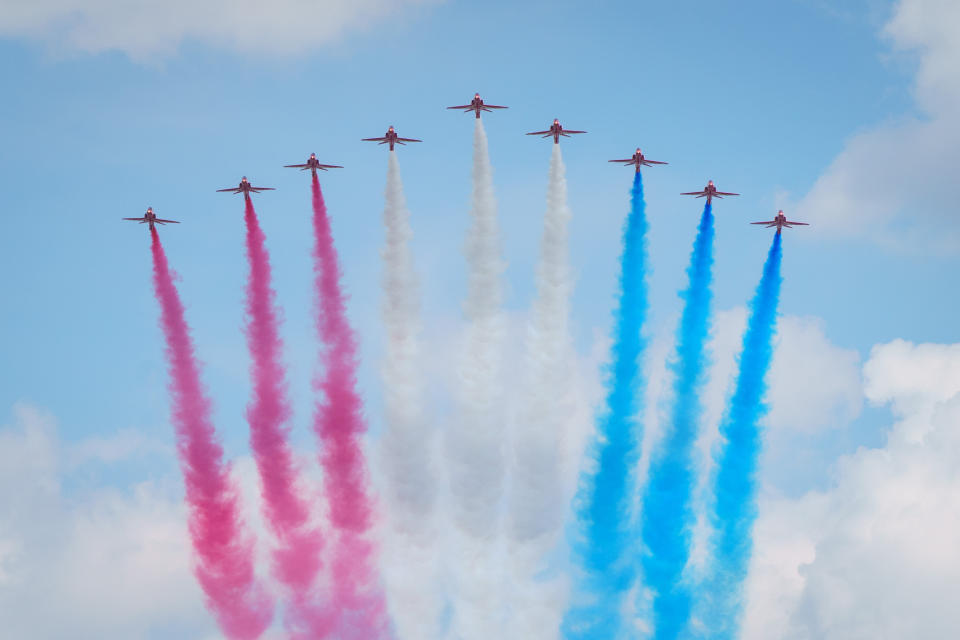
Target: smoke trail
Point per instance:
(296, 560)
(667, 513)
(605, 550)
(223, 547)
(735, 488)
(474, 442)
(407, 445)
(339, 423)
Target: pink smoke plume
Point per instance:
(339, 423)
(223, 548)
(296, 560)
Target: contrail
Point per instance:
(407, 447)
(537, 487)
(358, 597)
(296, 560)
(221, 543)
(667, 512)
(605, 550)
(735, 490)
(474, 440)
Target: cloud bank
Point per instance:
(876, 556)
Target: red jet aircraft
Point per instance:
(780, 221)
(151, 218)
(477, 105)
(313, 164)
(392, 138)
(245, 188)
(638, 159)
(555, 130)
(710, 192)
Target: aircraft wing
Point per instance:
(380, 140)
(494, 106)
(234, 189)
(141, 219)
(329, 166)
(462, 106)
(724, 193)
(259, 189)
(765, 222)
(162, 221)
(572, 131)
(654, 162)
(408, 140)
(805, 224)
(296, 166)
(630, 160)
(697, 193)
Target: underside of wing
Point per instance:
(133, 219)
(630, 160)
(226, 190)
(408, 140)
(373, 140)
(494, 106)
(462, 106)
(162, 221)
(766, 222)
(539, 133)
(572, 131)
(726, 193)
(805, 224)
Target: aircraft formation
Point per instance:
(477, 105)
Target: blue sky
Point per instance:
(757, 97)
(761, 97)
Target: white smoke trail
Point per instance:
(407, 444)
(474, 443)
(546, 410)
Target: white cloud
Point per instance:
(103, 564)
(813, 384)
(122, 445)
(896, 183)
(150, 29)
(876, 556)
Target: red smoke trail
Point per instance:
(339, 424)
(296, 561)
(224, 550)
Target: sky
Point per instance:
(842, 114)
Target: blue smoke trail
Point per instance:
(605, 545)
(667, 513)
(735, 489)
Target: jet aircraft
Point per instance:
(780, 221)
(150, 217)
(477, 105)
(638, 159)
(392, 138)
(555, 130)
(313, 164)
(245, 188)
(710, 192)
